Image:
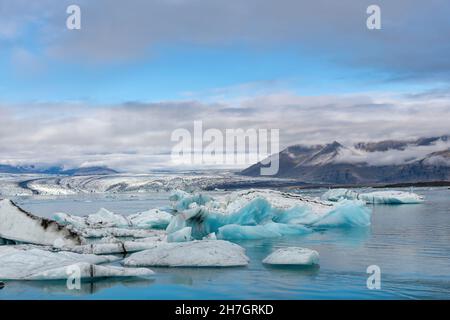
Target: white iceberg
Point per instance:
(29, 263)
(118, 247)
(120, 233)
(204, 253)
(262, 213)
(104, 218)
(20, 226)
(181, 235)
(151, 219)
(293, 256)
(376, 197)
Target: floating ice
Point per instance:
(377, 197)
(28, 263)
(293, 256)
(181, 235)
(205, 253)
(21, 226)
(256, 214)
(119, 247)
(105, 218)
(154, 218)
(151, 219)
(269, 230)
(119, 233)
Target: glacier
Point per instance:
(376, 197)
(293, 256)
(256, 214)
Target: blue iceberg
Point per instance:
(258, 214)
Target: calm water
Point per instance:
(410, 243)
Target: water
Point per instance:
(410, 243)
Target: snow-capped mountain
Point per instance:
(425, 159)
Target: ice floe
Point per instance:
(118, 247)
(376, 197)
(104, 218)
(293, 256)
(255, 214)
(20, 226)
(181, 235)
(204, 253)
(28, 263)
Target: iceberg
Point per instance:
(104, 218)
(119, 233)
(29, 263)
(151, 219)
(269, 230)
(23, 227)
(118, 247)
(181, 235)
(204, 253)
(376, 197)
(293, 256)
(256, 214)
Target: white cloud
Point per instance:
(136, 136)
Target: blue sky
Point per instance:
(43, 61)
(310, 68)
(184, 72)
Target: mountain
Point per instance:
(56, 170)
(386, 161)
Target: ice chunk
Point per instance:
(346, 213)
(269, 230)
(18, 225)
(120, 233)
(29, 263)
(153, 218)
(264, 213)
(106, 218)
(70, 220)
(89, 271)
(376, 197)
(293, 256)
(204, 253)
(181, 235)
(118, 247)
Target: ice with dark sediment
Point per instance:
(23, 227)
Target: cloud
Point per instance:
(390, 157)
(413, 41)
(136, 135)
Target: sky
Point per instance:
(112, 92)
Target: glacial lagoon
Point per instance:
(410, 244)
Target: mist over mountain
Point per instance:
(389, 161)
